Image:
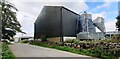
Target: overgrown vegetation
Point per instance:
(100, 50)
(73, 41)
(118, 22)
(6, 53)
(0, 50)
(24, 41)
(110, 41)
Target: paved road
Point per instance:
(26, 50)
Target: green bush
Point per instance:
(73, 41)
(43, 38)
(6, 53)
(69, 41)
(24, 41)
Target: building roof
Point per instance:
(113, 32)
(64, 8)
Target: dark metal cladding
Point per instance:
(56, 21)
(69, 23)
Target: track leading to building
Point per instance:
(26, 50)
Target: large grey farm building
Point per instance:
(58, 21)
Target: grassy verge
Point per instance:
(0, 50)
(96, 52)
(6, 53)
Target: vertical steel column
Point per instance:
(61, 34)
(34, 31)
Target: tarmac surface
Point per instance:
(26, 50)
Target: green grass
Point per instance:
(0, 50)
(96, 52)
(6, 53)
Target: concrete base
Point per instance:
(54, 39)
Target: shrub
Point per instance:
(6, 53)
(24, 41)
(72, 41)
(43, 38)
(69, 41)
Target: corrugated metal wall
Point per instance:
(48, 22)
(56, 21)
(69, 21)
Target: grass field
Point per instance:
(0, 50)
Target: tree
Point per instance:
(10, 25)
(118, 23)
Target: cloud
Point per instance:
(94, 0)
(49, 0)
(101, 14)
(111, 0)
(109, 19)
(30, 9)
(101, 0)
(105, 5)
(95, 15)
(27, 23)
(110, 25)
